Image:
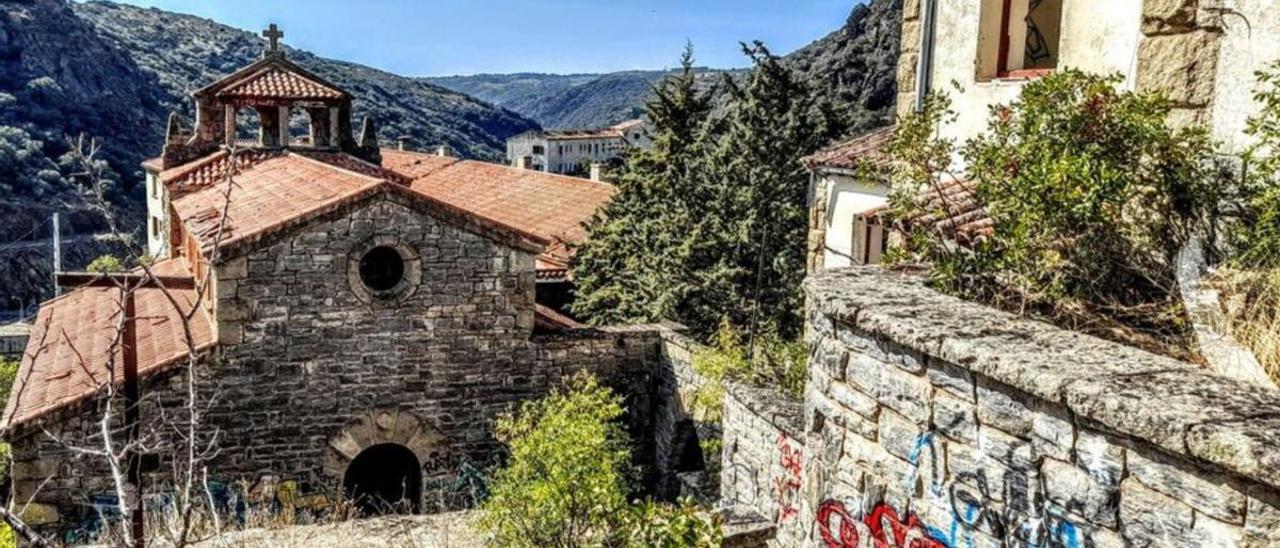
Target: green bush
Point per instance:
(1091, 192)
(1257, 235)
(567, 479)
(105, 264)
(775, 362)
(653, 525)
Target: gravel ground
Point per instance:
(438, 530)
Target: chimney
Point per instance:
(597, 171)
(444, 150)
(402, 143)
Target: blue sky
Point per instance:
(437, 37)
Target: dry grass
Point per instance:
(1252, 304)
(448, 530)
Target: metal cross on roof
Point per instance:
(274, 34)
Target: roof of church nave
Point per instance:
(276, 189)
(71, 343)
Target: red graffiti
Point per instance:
(881, 528)
(786, 487)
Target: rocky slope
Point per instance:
(186, 52)
(855, 65)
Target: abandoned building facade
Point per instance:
(369, 313)
(573, 150)
(982, 53)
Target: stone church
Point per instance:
(370, 311)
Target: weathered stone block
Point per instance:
(1072, 489)
(1052, 433)
(1207, 493)
(233, 269)
(894, 388)
(955, 418)
(1004, 408)
(1102, 459)
(1262, 522)
(899, 435)
(1166, 16)
(1012, 451)
(1152, 519)
(854, 400)
(36, 514)
(1181, 65)
(952, 378)
(831, 357)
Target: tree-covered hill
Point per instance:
(854, 65)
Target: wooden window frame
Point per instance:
(1002, 51)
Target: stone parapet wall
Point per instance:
(763, 449)
(931, 421)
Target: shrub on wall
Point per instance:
(767, 360)
(1091, 193)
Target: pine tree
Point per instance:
(627, 269)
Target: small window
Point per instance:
(1019, 38)
(155, 227)
(537, 149)
(381, 268)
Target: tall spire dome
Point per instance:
(273, 34)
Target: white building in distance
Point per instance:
(571, 151)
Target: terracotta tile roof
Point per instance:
(277, 83)
(865, 149)
(271, 190)
(80, 325)
(211, 169)
(551, 208)
(546, 318)
(279, 188)
(951, 208)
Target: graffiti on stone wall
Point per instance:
(1017, 515)
(453, 483)
(881, 527)
(786, 487)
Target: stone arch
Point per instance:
(382, 426)
(386, 478)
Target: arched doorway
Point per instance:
(384, 479)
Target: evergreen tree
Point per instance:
(627, 269)
(710, 224)
(748, 251)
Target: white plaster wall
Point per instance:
(157, 212)
(847, 197)
(1251, 40)
(1097, 36)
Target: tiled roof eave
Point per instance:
(25, 425)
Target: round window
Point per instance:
(381, 268)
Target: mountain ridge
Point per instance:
(865, 49)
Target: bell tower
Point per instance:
(269, 104)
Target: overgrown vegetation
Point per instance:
(775, 362)
(8, 372)
(568, 477)
(1091, 193)
(1250, 278)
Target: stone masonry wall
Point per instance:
(931, 421)
(310, 371)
